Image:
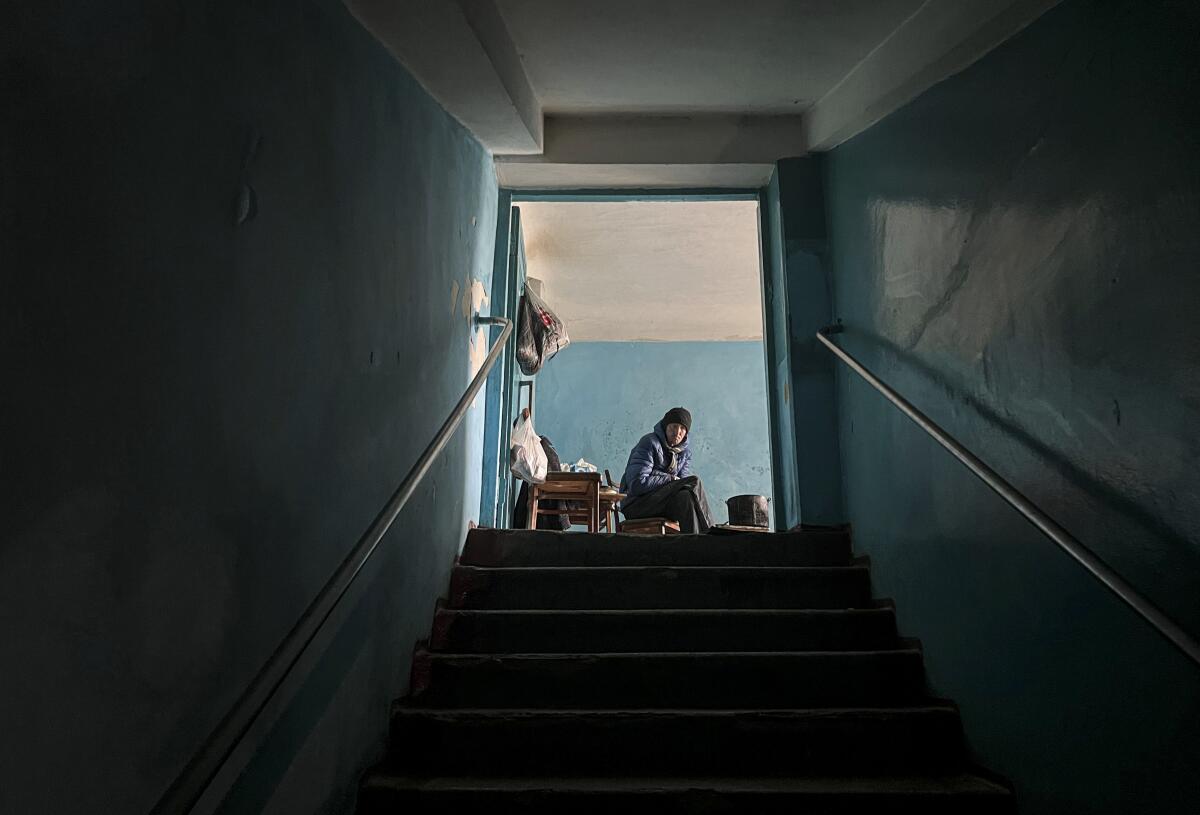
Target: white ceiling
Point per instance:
(693, 56)
(639, 270)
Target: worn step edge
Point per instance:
(559, 571)
(680, 655)
(660, 587)
(814, 613)
(889, 674)
(486, 547)
(401, 709)
(899, 795)
(690, 629)
(920, 785)
(800, 741)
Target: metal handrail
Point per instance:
(193, 781)
(1170, 629)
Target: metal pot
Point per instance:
(748, 510)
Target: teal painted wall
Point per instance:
(495, 457)
(778, 352)
(201, 419)
(1016, 251)
(806, 274)
(596, 399)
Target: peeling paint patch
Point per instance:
(479, 297)
(475, 299)
(465, 303)
(478, 352)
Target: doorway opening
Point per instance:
(663, 303)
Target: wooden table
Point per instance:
(599, 505)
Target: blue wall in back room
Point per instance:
(1016, 251)
(596, 399)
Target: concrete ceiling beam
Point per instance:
(463, 55)
(941, 38)
(655, 151)
(552, 176)
(667, 139)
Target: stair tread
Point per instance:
(677, 612)
(716, 679)
(530, 547)
(707, 568)
(918, 709)
(646, 740)
(533, 536)
(955, 784)
(667, 629)
(402, 709)
(680, 655)
(642, 587)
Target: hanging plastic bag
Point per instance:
(540, 334)
(526, 458)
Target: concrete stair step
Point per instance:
(956, 794)
(493, 547)
(601, 631)
(649, 587)
(859, 741)
(669, 680)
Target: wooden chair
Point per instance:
(589, 505)
(642, 526)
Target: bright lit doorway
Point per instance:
(663, 303)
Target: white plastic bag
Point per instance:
(526, 458)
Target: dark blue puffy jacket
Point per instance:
(647, 467)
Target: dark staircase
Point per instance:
(578, 673)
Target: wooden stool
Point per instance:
(650, 526)
(597, 510)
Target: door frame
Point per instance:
(778, 377)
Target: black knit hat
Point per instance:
(678, 415)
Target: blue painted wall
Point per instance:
(1016, 250)
(201, 419)
(596, 399)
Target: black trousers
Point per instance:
(682, 501)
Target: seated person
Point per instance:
(658, 477)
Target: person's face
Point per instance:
(675, 433)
